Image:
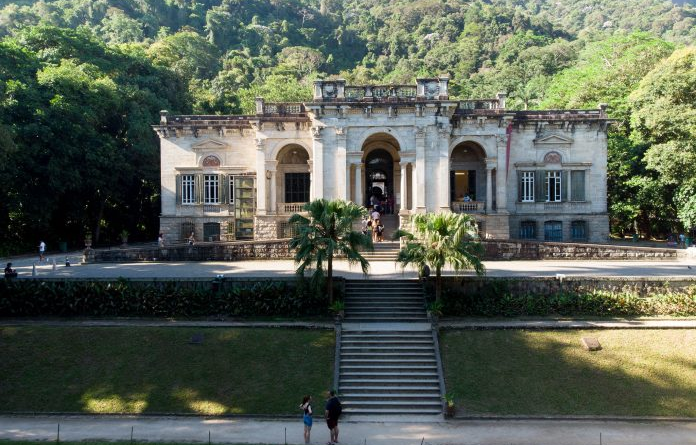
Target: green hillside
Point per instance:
(82, 80)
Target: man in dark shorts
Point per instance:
(332, 413)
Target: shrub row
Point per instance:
(493, 303)
(123, 298)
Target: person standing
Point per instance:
(160, 240)
(332, 412)
(306, 407)
(380, 231)
(42, 251)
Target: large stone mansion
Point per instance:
(536, 175)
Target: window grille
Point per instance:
(553, 231)
(528, 230)
(578, 230)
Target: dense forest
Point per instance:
(81, 81)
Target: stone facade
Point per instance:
(537, 175)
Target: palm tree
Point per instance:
(327, 230)
(439, 239)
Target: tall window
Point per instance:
(577, 185)
(296, 187)
(527, 187)
(553, 186)
(187, 189)
(211, 187)
(528, 230)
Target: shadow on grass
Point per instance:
(159, 370)
(637, 373)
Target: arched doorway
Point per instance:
(468, 178)
(293, 179)
(379, 177)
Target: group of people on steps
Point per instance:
(372, 225)
(332, 411)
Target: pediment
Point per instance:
(553, 139)
(209, 144)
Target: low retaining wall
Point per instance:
(233, 251)
(531, 250)
(278, 249)
(544, 286)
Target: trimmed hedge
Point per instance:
(496, 301)
(124, 298)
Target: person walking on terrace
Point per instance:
(42, 251)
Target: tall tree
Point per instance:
(325, 232)
(441, 239)
(665, 117)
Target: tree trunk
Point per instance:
(438, 284)
(329, 279)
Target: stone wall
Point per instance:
(545, 286)
(533, 250)
(278, 249)
(233, 251)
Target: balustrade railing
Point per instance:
(284, 108)
(286, 208)
(468, 206)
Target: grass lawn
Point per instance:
(158, 370)
(637, 373)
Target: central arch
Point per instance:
(382, 175)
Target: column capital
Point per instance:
(316, 133)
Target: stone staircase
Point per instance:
(384, 251)
(388, 359)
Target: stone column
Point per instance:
(340, 165)
(273, 188)
(489, 188)
(359, 198)
(311, 179)
(404, 188)
(349, 190)
(443, 171)
(419, 177)
(260, 177)
(318, 164)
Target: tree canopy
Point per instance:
(81, 81)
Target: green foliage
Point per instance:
(440, 239)
(665, 117)
(123, 298)
(327, 231)
(497, 301)
(606, 72)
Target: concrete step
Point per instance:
(385, 319)
(391, 411)
(391, 363)
(396, 367)
(350, 374)
(389, 382)
(390, 397)
(388, 336)
(401, 389)
(391, 404)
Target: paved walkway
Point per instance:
(685, 267)
(480, 432)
